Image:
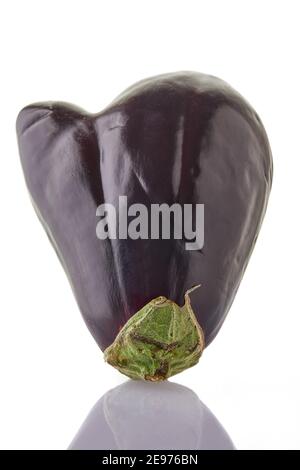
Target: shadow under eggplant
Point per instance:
(141, 415)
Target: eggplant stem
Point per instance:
(159, 341)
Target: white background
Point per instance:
(87, 52)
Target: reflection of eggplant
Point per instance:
(186, 138)
(139, 415)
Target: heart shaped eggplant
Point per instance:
(184, 138)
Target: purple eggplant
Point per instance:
(183, 138)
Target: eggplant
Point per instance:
(182, 138)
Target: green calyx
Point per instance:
(160, 340)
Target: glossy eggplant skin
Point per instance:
(183, 137)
